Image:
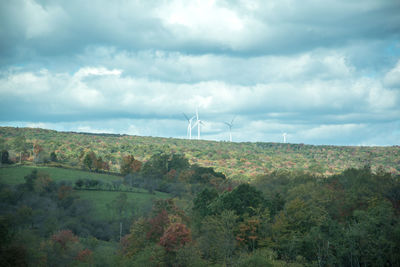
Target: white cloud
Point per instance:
(89, 129)
(202, 20)
(392, 78)
(87, 71)
(41, 21)
(105, 89)
(326, 132)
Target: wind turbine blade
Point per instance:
(229, 125)
(233, 120)
(187, 118)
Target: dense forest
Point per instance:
(70, 199)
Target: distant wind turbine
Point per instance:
(189, 128)
(230, 125)
(198, 123)
(284, 137)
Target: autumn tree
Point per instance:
(248, 233)
(62, 249)
(175, 237)
(64, 238)
(89, 160)
(37, 153)
(130, 165)
(158, 224)
(92, 162)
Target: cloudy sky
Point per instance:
(324, 72)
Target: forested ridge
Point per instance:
(239, 161)
(70, 199)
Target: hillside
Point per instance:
(240, 161)
(130, 205)
(99, 196)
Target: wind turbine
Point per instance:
(189, 128)
(198, 123)
(230, 129)
(284, 137)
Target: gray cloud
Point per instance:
(324, 73)
(280, 27)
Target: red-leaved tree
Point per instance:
(158, 224)
(175, 237)
(64, 238)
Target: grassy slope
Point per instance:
(100, 199)
(15, 175)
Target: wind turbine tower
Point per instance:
(198, 123)
(284, 137)
(230, 129)
(189, 128)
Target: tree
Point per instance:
(175, 237)
(5, 157)
(292, 226)
(89, 160)
(99, 164)
(260, 257)
(178, 162)
(217, 240)
(249, 233)
(157, 225)
(372, 236)
(243, 199)
(43, 183)
(137, 239)
(130, 165)
(85, 256)
(190, 255)
(120, 205)
(153, 255)
(30, 180)
(53, 157)
(19, 144)
(79, 183)
(64, 238)
(62, 249)
(203, 200)
(37, 153)
(3, 149)
(156, 167)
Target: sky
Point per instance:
(324, 72)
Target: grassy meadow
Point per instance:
(101, 200)
(15, 174)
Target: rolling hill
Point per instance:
(240, 161)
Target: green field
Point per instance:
(15, 175)
(100, 199)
